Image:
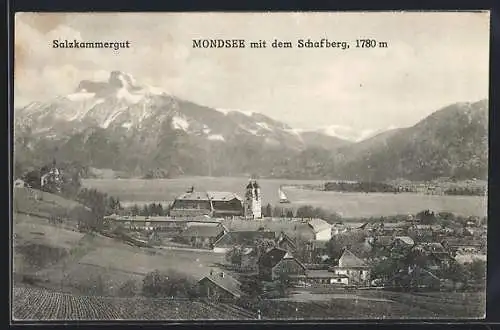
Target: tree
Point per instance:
(233, 256)
(128, 289)
(161, 212)
(97, 202)
(267, 211)
(277, 212)
(426, 217)
(333, 217)
(32, 178)
(18, 169)
(166, 284)
(262, 245)
(303, 251)
(320, 213)
(252, 286)
(456, 273)
(71, 184)
(305, 211)
(477, 269)
(145, 210)
(386, 268)
(135, 210)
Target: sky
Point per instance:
(432, 60)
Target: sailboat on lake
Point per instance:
(283, 198)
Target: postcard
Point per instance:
(250, 166)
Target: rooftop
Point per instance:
(405, 239)
(324, 274)
(349, 260)
(318, 225)
(272, 257)
(221, 196)
(203, 231)
(248, 238)
(226, 282)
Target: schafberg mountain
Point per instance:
(126, 126)
(123, 125)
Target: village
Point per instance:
(272, 256)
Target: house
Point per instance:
(19, 183)
(166, 225)
(220, 286)
(439, 260)
(473, 221)
(326, 277)
(241, 238)
(320, 277)
(353, 267)
(415, 278)
(203, 235)
(338, 229)
(277, 263)
(212, 203)
(432, 255)
(402, 242)
(319, 247)
(321, 230)
(382, 242)
(429, 247)
(461, 246)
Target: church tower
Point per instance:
(253, 201)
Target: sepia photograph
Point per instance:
(252, 166)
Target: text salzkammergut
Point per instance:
(116, 45)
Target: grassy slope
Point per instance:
(61, 258)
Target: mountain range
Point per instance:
(135, 128)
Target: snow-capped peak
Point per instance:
(227, 111)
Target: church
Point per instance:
(219, 204)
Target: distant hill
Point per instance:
(452, 142)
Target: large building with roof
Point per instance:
(212, 203)
(202, 235)
(353, 267)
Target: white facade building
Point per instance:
(253, 201)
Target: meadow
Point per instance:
(61, 258)
(349, 205)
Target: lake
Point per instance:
(140, 191)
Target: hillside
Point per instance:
(55, 255)
(45, 229)
(45, 205)
(452, 142)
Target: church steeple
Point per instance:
(253, 200)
